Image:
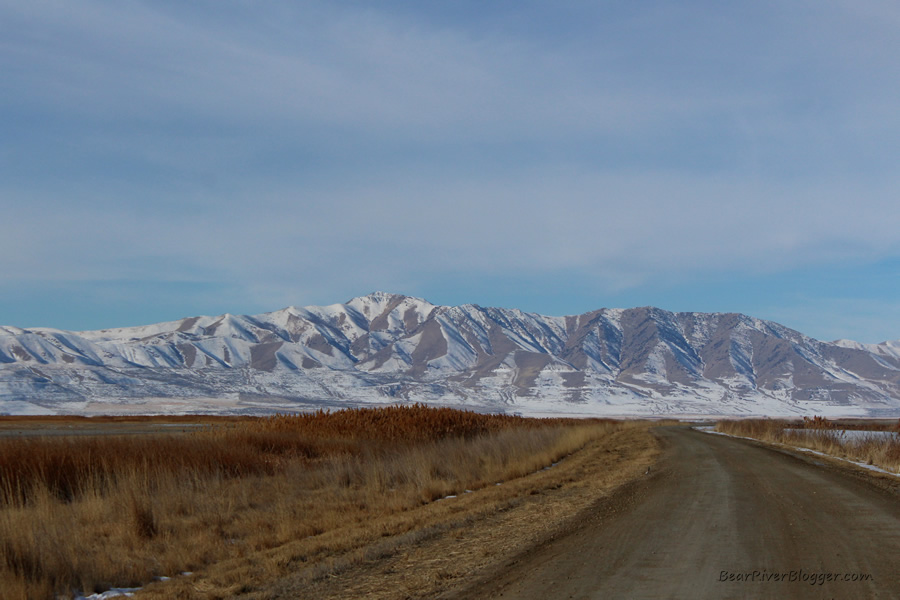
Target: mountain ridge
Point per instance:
(385, 347)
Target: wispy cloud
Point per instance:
(293, 150)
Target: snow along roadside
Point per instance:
(711, 429)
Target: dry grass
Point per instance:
(444, 546)
(822, 435)
(90, 513)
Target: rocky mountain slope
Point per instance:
(392, 348)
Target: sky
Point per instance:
(166, 159)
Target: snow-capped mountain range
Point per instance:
(387, 348)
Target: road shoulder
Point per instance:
(883, 481)
(469, 543)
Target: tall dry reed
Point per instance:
(89, 513)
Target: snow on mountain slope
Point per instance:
(393, 348)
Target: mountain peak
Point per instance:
(377, 303)
(381, 297)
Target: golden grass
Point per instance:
(822, 435)
(420, 552)
(90, 513)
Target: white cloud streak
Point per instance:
(304, 142)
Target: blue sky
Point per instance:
(168, 159)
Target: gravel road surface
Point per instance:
(721, 518)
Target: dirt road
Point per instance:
(721, 518)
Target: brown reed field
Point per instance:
(89, 513)
(824, 435)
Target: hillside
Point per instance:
(384, 348)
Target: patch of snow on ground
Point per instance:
(113, 593)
